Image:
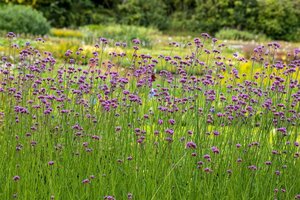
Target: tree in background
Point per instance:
(66, 13)
(213, 15)
(73, 13)
(180, 14)
(143, 13)
(279, 19)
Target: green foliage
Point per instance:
(23, 19)
(278, 19)
(145, 13)
(211, 16)
(234, 34)
(178, 24)
(124, 33)
(75, 13)
(68, 33)
(295, 36)
(66, 13)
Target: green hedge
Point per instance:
(23, 19)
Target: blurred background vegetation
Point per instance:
(227, 19)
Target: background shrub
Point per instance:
(143, 13)
(23, 19)
(279, 19)
(124, 33)
(75, 13)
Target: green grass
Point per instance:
(116, 162)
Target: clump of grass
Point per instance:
(124, 33)
(234, 34)
(69, 33)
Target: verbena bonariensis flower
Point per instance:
(85, 181)
(109, 100)
(51, 163)
(109, 198)
(191, 145)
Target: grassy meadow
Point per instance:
(123, 112)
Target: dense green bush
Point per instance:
(75, 13)
(279, 19)
(211, 16)
(23, 19)
(234, 34)
(143, 13)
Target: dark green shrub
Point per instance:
(23, 19)
(143, 13)
(295, 36)
(279, 19)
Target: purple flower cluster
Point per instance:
(112, 103)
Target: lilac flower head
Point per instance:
(169, 131)
(194, 154)
(252, 167)
(11, 35)
(207, 170)
(191, 145)
(296, 52)
(109, 198)
(129, 196)
(51, 163)
(216, 133)
(171, 121)
(136, 41)
(160, 121)
(215, 150)
(16, 178)
(118, 128)
(86, 181)
(268, 162)
(205, 35)
(282, 130)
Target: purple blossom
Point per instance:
(51, 163)
(16, 178)
(109, 198)
(86, 181)
(191, 145)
